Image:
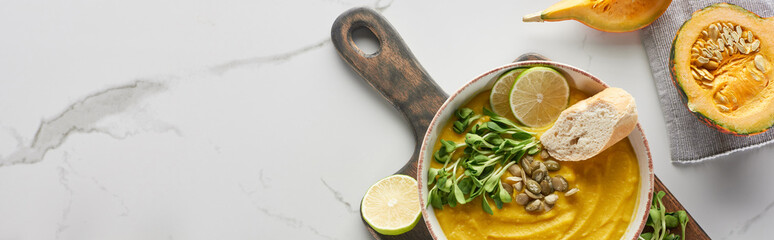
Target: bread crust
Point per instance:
(610, 114)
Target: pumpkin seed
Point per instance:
(712, 65)
(514, 179)
(695, 75)
(733, 98)
(538, 174)
(694, 50)
(740, 47)
(552, 165)
(711, 44)
(535, 165)
(702, 60)
(534, 206)
(724, 108)
(551, 199)
(718, 55)
(550, 183)
(721, 99)
(713, 31)
(739, 30)
(524, 176)
(522, 199)
(559, 183)
(534, 195)
(759, 76)
(724, 38)
(755, 45)
(545, 187)
(518, 186)
(722, 45)
(701, 74)
(508, 188)
(571, 192)
(544, 154)
(707, 53)
(760, 63)
(706, 75)
(750, 36)
(525, 165)
(705, 33)
(533, 186)
(515, 170)
(753, 74)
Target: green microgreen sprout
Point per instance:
(444, 154)
(661, 221)
(489, 148)
(465, 116)
(682, 216)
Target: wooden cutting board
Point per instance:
(397, 75)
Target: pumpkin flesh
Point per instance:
(737, 98)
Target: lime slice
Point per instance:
(391, 206)
(501, 92)
(538, 96)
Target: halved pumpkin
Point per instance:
(721, 64)
(604, 15)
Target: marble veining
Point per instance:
(258, 61)
(290, 221)
(379, 5)
(339, 197)
(83, 117)
(63, 180)
(740, 230)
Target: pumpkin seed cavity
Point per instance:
(726, 61)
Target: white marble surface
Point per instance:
(238, 120)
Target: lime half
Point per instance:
(391, 206)
(499, 98)
(538, 96)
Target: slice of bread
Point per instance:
(592, 125)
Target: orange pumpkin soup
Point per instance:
(602, 209)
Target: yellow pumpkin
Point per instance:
(604, 15)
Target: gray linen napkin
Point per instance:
(691, 140)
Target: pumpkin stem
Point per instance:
(534, 17)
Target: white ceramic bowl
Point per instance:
(581, 80)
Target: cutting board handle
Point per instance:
(392, 70)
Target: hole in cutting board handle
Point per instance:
(365, 41)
